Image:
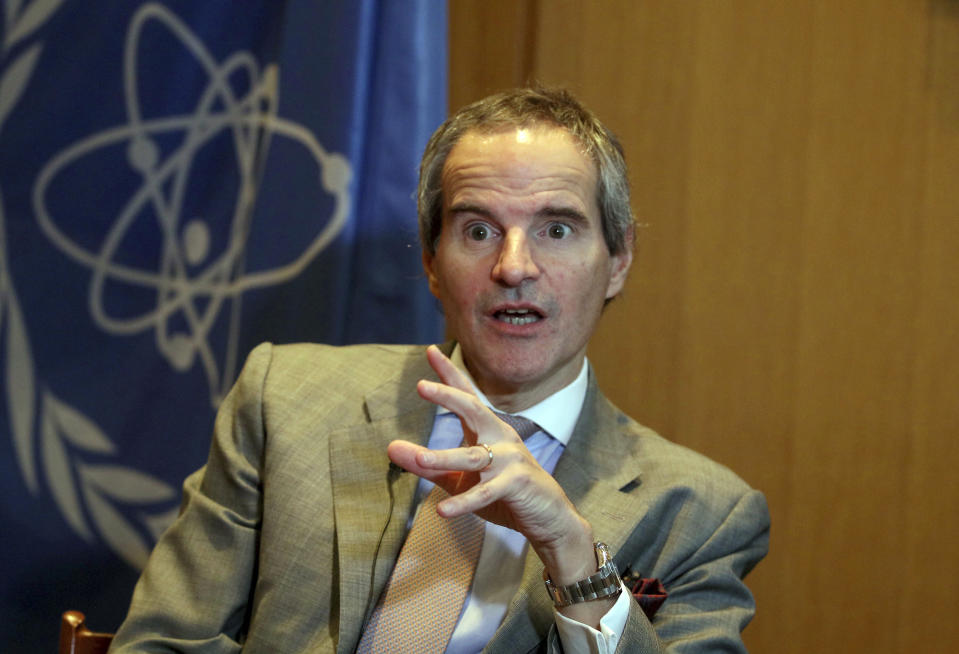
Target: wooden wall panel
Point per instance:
(860, 256)
(490, 47)
(736, 374)
(930, 484)
(792, 311)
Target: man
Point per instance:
(289, 536)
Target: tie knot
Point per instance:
(523, 426)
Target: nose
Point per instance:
(515, 263)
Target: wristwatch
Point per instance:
(605, 583)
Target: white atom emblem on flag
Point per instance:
(96, 495)
(192, 281)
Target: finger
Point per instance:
(475, 416)
(448, 373)
(474, 499)
(467, 406)
(428, 463)
(419, 460)
(451, 398)
(411, 458)
(473, 458)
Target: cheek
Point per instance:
(587, 286)
(444, 276)
(458, 288)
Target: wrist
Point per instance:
(571, 558)
(603, 584)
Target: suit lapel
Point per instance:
(600, 465)
(368, 534)
(591, 473)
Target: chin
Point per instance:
(517, 370)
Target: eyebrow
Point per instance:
(470, 208)
(548, 211)
(568, 213)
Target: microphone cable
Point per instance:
(391, 477)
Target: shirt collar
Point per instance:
(557, 414)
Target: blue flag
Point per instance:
(180, 181)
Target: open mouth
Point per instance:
(518, 316)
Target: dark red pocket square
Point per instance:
(648, 592)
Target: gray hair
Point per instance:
(522, 108)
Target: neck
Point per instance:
(514, 402)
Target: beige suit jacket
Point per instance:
(286, 537)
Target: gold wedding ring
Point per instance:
(489, 452)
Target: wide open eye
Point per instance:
(558, 230)
(478, 232)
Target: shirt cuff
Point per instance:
(578, 638)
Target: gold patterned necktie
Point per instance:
(425, 595)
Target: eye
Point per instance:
(558, 230)
(478, 232)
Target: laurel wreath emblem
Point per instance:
(95, 499)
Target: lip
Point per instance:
(520, 311)
(517, 306)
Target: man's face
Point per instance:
(521, 266)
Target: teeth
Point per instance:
(518, 316)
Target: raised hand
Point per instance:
(512, 489)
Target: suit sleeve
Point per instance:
(194, 593)
(708, 604)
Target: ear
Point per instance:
(428, 261)
(619, 266)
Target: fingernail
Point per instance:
(428, 458)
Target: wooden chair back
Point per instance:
(75, 638)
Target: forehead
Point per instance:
(530, 161)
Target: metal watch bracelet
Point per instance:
(605, 583)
